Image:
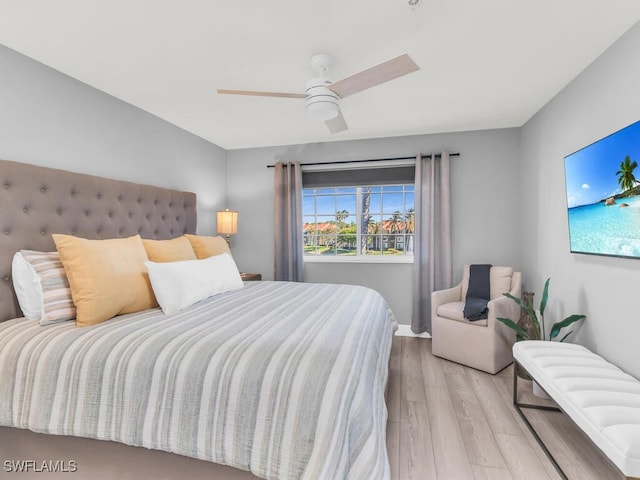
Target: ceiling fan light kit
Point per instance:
(322, 97)
(321, 103)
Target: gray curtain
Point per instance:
(289, 249)
(432, 246)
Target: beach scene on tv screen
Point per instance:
(603, 195)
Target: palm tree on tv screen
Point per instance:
(625, 174)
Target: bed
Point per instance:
(273, 380)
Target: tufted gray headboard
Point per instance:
(37, 201)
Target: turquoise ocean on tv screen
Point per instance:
(607, 230)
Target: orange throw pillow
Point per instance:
(205, 247)
(174, 250)
(107, 277)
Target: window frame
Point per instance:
(359, 257)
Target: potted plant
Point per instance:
(529, 327)
(528, 310)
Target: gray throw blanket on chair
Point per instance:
(478, 293)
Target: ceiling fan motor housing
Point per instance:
(321, 103)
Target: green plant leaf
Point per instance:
(515, 299)
(545, 297)
(521, 334)
(563, 338)
(555, 330)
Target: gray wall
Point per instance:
(603, 99)
(485, 196)
(50, 119)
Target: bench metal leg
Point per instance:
(519, 406)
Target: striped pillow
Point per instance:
(42, 287)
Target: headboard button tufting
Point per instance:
(46, 201)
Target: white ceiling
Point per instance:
(484, 63)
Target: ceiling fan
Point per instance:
(322, 96)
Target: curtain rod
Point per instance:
(373, 160)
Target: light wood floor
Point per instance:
(450, 422)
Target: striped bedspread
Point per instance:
(283, 379)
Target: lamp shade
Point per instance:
(227, 221)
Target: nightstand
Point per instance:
(250, 277)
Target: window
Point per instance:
(364, 221)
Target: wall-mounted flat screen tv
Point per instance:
(603, 195)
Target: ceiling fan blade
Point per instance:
(373, 76)
(337, 124)
(261, 94)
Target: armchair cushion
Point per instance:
(454, 311)
(500, 278)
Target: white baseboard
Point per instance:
(405, 331)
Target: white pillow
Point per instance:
(41, 286)
(178, 285)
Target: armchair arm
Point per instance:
(502, 307)
(440, 297)
(505, 307)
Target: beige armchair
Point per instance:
(483, 344)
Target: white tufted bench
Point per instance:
(600, 398)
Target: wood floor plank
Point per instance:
(480, 443)
(450, 452)
(522, 461)
(489, 473)
(432, 367)
(452, 367)
(416, 449)
(396, 346)
(394, 386)
(504, 387)
(393, 448)
(412, 384)
(497, 411)
(571, 448)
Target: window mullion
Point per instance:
(358, 221)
